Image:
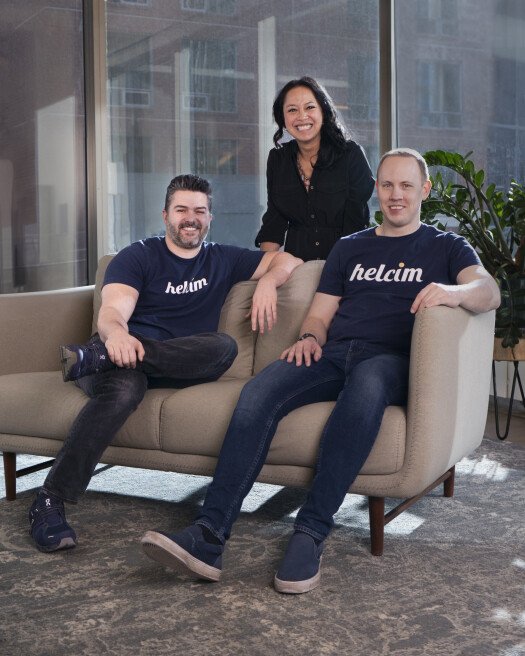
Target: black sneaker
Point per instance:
(49, 528)
(79, 360)
(300, 568)
(186, 552)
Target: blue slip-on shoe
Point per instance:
(186, 552)
(299, 570)
(79, 360)
(49, 528)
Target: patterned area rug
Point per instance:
(451, 581)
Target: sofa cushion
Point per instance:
(39, 404)
(195, 419)
(234, 322)
(42, 405)
(293, 302)
(296, 442)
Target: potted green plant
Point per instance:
(493, 222)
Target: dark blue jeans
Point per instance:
(363, 380)
(116, 393)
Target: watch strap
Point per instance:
(305, 335)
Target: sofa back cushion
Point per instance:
(294, 299)
(234, 322)
(97, 297)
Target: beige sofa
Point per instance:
(182, 430)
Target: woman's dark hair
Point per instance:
(334, 135)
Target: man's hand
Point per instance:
(264, 304)
(274, 269)
(118, 303)
(437, 294)
(475, 290)
(124, 350)
(304, 349)
(317, 322)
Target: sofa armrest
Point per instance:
(33, 325)
(450, 367)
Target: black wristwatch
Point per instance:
(305, 335)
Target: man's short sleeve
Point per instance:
(128, 267)
(245, 262)
(333, 275)
(462, 255)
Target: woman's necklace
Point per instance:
(304, 177)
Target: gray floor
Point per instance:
(451, 580)
(437, 590)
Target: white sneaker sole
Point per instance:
(168, 553)
(65, 543)
(298, 587)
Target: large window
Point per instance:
(460, 80)
(190, 86)
(42, 154)
(209, 71)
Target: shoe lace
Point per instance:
(98, 356)
(48, 511)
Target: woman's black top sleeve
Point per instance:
(309, 223)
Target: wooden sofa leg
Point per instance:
(376, 511)
(11, 473)
(10, 476)
(448, 483)
(378, 519)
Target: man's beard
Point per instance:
(188, 243)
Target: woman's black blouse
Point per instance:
(309, 223)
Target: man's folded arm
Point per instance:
(476, 290)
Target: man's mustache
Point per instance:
(190, 224)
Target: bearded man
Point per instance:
(157, 326)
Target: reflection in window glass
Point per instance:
(214, 156)
(363, 87)
(210, 70)
(471, 77)
(362, 15)
(439, 94)
(129, 71)
(223, 7)
(42, 169)
(437, 17)
(130, 2)
(213, 65)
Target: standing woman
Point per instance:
(319, 182)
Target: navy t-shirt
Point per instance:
(178, 296)
(379, 277)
